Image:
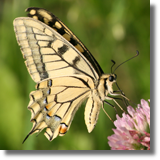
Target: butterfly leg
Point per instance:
(111, 105)
(113, 99)
(106, 112)
(121, 94)
(125, 102)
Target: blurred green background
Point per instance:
(110, 29)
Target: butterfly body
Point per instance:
(65, 71)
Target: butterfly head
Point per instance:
(109, 80)
(112, 78)
(105, 85)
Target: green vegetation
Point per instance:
(110, 30)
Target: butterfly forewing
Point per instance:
(47, 53)
(55, 23)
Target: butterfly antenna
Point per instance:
(126, 60)
(112, 64)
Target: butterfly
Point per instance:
(65, 71)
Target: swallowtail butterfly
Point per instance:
(65, 71)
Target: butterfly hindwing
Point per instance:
(55, 102)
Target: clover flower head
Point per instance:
(132, 130)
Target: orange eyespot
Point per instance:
(63, 128)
